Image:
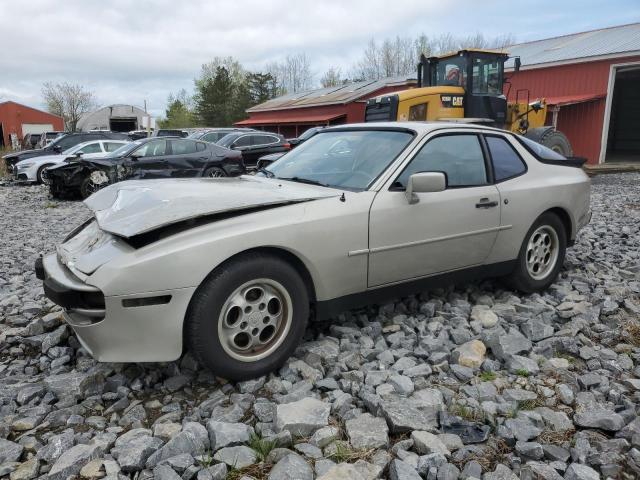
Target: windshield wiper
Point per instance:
(305, 180)
(268, 173)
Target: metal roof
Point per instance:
(623, 40)
(332, 95)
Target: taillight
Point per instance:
(287, 146)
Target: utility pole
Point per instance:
(148, 119)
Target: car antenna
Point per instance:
(342, 199)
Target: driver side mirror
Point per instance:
(57, 148)
(79, 154)
(424, 182)
(134, 157)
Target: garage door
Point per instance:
(36, 128)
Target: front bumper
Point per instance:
(142, 327)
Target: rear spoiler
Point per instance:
(577, 162)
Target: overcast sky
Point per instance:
(128, 51)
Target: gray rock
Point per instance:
(522, 429)
(543, 471)
(501, 472)
(576, 471)
(75, 384)
(599, 418)
(323, 437)
(430, 462)
(448, 472)
(214, 472)
(470, 354)
(342, 471)
(26, 471)
(504, 346)
(193, 439)
(10, 451)
(518, 395)
(228, 434)
(165, 472)
(236, 457)
(517, 363)
(402, 384)
(71, 461)
(303, 417)
(366, 431)
(291, 467)
(405, 415)
(56, 446)
(399, 470)
(133, 454)
(426, 443)
(532, 450)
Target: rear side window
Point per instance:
(540, 151)
(183, 147)
(460, 157)
(264, 139)
(243, 141)
(506, 161)
(112, 146)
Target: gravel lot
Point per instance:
(477, 382)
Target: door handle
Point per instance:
(486, 203)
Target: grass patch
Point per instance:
(521, 372)
(631, 332)
(556, 438)
(569, 358)
(467, 413)
(205, 460)
(495, 451)
(261, 446)
(527, 404)
(258, 471)
(488, 376)
(345, 453)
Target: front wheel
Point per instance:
(248, 317)
(41, 175)
(541, 255)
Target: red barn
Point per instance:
(17, 119)
(292, 114)
(591, 81)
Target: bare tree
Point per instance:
(70, 101)
(332, 78)
(292, 75)
(235, 69)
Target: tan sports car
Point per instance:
(233, 268)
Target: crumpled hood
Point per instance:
(137, 206)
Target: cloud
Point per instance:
(134, 50)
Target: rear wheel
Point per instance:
(93, 182)
(553, 139)
(541, 255)
(214, 172)
(247, 317)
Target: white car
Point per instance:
(234, 267)
(33, 169)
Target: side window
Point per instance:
(212, 137)
(92, 148)
(418, 112)
(243, 141)
(460, 157)
(152, 148)
(506, 161)
(264, 139)
(201, 147)
(183, 147)
(112, 146)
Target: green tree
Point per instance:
(214, 99)
(179, 113)
(262, 87)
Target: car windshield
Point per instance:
(124, 150)
(56, 141)
(349, 159)
(228, 139)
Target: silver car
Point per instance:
(233, 268)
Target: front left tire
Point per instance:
(247, 318)
(40, 173)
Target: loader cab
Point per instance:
(479, 72)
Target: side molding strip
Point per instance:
(365, 251)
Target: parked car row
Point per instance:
(154, 157)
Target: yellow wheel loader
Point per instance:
(467, 86)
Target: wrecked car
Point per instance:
(34, 169)
(148, 158)
(233, 268)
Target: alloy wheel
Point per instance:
(255, 320)
(542, 252)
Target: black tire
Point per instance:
(85, 187)
(522, 278)
(553, 139)
(215, 172)
(39, 173)
(205, 318)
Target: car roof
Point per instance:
(418, 127)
